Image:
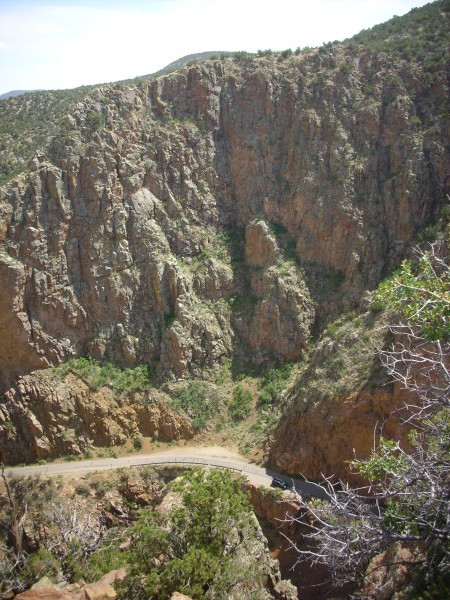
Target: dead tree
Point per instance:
(17, 516)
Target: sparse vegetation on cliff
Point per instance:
(98, 375)
(27, 123)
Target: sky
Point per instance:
(51, 44)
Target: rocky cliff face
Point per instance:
(321, 438)
(45, 416)
(218, 211)
(341, 401)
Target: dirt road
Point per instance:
(213, 456)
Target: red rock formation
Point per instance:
(110, 242)
(45, 416)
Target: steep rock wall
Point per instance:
(134, 237)
(321, 439)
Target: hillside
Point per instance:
(27, 123)
(247, 200)
(29, 119)
(193, 255)
(421, 35)
(13, 93)
(190, 58)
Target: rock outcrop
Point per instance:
(392, 574)
(44, 589)
(272, 507)
(45, 416)
(342, 401)
(321, 438)
(217, 210)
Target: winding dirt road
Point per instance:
(211, 456)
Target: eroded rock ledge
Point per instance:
(47, 417)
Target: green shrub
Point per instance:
(97, 375)
(265, 52)
(430, 233)
(275, 493)
(203, 549)
(272, 384)
(83, 489)
(421, 293)
(95, 121)
(41, 563)
(278, 228)
(241, 404)
(169, 318)
(137, 443)
(345, 68)
(148, 474)
(107, 558)
(241, 55)
(286, 53)
(70, 457)
(198, 400)
(33, 491)
(101, 486)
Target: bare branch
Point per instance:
(17, 519)
(407, 498)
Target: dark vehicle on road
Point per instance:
(279, 483)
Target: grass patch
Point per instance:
(199, 399)
(97, 375)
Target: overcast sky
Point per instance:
(63, 44)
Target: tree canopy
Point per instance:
(198, 548)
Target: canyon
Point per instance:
(223, 210)
(214, 224)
